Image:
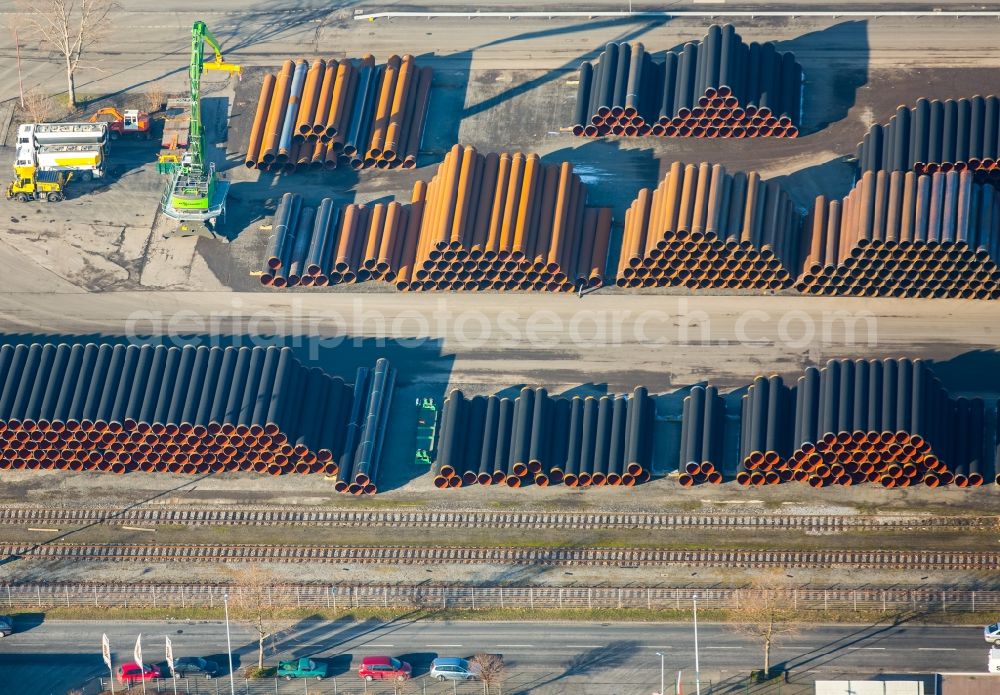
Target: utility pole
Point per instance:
(20, 83)
(229, 646)
(697, 669)
(662, 686)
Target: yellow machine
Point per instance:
(31, 183)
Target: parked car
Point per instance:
(302, 668)
(195, 666)
(452, 668)
(384, 668)
(6, 625)
(992, 633)
(130, 673)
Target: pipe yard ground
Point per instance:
(97, 268)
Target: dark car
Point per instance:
(195, 666)
(6, 625)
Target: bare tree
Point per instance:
(71, 27)
(250, 600)
(39, 106)
(490, 669)
(155, 97)
(765, 613)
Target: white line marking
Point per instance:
(379, 644)
(876, 649)
(936, 649)
(515, 645)
(442, 645)
(45, 530)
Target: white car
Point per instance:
(994, 663)
(992, 633)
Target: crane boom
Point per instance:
(193, 194)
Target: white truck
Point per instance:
(64, 147)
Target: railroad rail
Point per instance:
(818, 523)
(594, 557)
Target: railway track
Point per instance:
(594, 557)
(818, 523)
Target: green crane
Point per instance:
(194, 194)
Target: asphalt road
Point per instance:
(149, 43)
(543, 657)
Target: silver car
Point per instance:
(453, 669)
(992, 633)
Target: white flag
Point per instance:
(170, 655)
(137, 654)
(106, 650)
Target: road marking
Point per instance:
(653, 646)
(136, 528)
(379, 644)
(46, 530)
(936, 649)
(877, 649)
(723, 647)
(585, 646)
(515, 645)
(442, 645)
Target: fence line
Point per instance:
(341, 597)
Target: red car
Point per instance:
(384, 668)
(130, 673)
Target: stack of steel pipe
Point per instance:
(716, 87)
(950, 135)
(702, 432)
(329, 246)
(502, 221)
(534, 438)
(369, 416)
(766, 431)
(888, 422)
(906, 235)
(705, 228)
(330, 113)
(187, 410)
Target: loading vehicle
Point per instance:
(127, 122)
(31, 183)
(195, 197)
(80, 148)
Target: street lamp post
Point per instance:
(229, 646)
(662, 686)
(697, 669)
